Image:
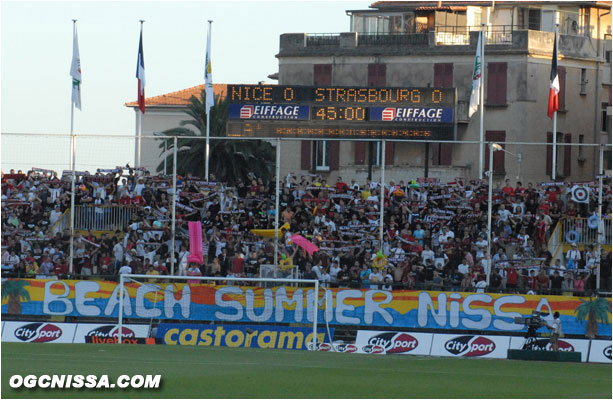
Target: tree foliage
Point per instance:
(229, 160)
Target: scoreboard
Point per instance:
(341, 112)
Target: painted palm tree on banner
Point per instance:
(230, 160)
(15, 291)
(596, 309)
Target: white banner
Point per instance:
(386, 342)
(38, 332)
(579, 345)
(600, 351)
(108, 331)
(470, 346)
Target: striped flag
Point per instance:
(477, 72)
(140, 73)
(208, 74)
(554, 83)
(75, 71)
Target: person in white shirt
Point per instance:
(463, 267)
(573, 256)
(334, 270)
(446, 235)
(504, 213)
(375, 277)
(556, 331)
(126, 269)
(427, 254)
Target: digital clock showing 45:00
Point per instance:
(336, 113)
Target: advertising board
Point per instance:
(480, 346)
(393, 342)
(255, 336)
(103, 332)
(600, 351)
(38, 332)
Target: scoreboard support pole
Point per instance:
(382, 195)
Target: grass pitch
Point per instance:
(221, 372)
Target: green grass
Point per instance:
(221, 372)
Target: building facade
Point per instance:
(433, 44)
(423, 44)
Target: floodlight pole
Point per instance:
(600, 229)
(382, 195)
(277, 171)
(489, 214)
(174, 206)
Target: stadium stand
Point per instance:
(434, 238)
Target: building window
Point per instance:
(497, 84)
(322, 74)
(498, 161)
(534, 19)
(377, 75)
(604, 117)
(562, 93)
(441, 153)
(321, 155)
(443, 75)
(583, 81)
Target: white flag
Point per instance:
(477, 73)
(208, 74)
(75, 71)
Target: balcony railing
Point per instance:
(103, 218)
(392, 39)
(579, 228)
(323, 39)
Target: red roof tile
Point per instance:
(181, 97)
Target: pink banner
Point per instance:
(195, 242)
(304, 243)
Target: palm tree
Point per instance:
(230, 160)
(15, 290)
(595, 310)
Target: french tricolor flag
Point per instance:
(554, 83)
(140, 74)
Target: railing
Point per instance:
(579, 229)
(103, 218)
(392, 39)
(323, 39)
(460, 35)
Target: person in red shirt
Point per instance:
(341, 187)
(508, 189)
(61, 268)
(512, 278)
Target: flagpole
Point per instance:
(72, 168)
(481, 133)
(140, 119)
(208, 114)
(600, 229)
(555, 119)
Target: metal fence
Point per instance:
(584, 231)
(103, 218)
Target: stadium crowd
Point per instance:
(434, 237)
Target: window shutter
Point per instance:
(389, 153)
(496, 84)
(549, 154)
(445, 153)
(322, 74)
(360, 153)
(498, 162)
(436, 159)
(567, 154)
(377, 75)
(334, 154)
(562, 93)
(443, 75)
(305, 155)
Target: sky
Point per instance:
(36, 52)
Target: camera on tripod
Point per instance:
(533, 322)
